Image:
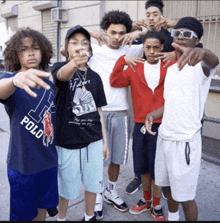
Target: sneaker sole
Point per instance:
(110, 202)
(99, 218)
(135, 212)
(134, 190)
(155, 217)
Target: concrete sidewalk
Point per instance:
(207, 198)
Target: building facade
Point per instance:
(54, 17)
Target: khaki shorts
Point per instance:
(177, 165)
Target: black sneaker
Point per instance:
(91, 219)
(164, 193)
(134, 185)
(52, 212)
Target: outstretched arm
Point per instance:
(192, 56)
(26, 80)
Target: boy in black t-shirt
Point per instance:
(80, 125)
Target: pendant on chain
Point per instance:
(83, 88)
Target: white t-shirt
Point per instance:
(152, 74)
(185, 93)
(103, 62)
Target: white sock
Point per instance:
(62, 219)
(111, 185)
(173, 216)
(87, 217)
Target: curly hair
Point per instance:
(157, 3)
(14, 43)
(116, 17)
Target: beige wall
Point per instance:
(89, 14)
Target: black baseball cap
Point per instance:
(77, 29)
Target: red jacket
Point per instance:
(143, 99)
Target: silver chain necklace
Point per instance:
(82, 78)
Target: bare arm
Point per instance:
(105, 141)
(153, 116)
(192, 56)
(31, 78)
(7, 88)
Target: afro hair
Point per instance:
(116, 17)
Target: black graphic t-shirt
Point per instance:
(77, 119)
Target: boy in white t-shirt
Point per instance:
(117, 27)
(178, 153)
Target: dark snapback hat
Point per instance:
(77, 29)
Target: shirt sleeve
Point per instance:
(54, 70)
(101, 98)
(3, 76)
(120, 77)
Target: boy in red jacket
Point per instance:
(146, 80)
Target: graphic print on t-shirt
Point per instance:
(38, 121)
(48, 127)
(83, 102)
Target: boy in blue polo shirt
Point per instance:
(28, 96)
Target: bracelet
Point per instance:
(14, 82)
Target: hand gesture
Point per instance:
(166, 57)
(190, 56)
(100, 37)
(129, 38)
(166, 23)
(139, 24)
(31, 78)
(148, 124)
(80, 56)
(131, 61)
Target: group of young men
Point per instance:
(169, 75)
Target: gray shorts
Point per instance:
(117, 127)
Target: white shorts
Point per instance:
(171, 168)
(78, 165)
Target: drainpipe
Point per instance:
(197, 5)
(58, 33)
(101, 11)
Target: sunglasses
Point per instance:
(186, 34)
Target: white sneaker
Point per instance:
(98, 207)
(112, 197)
